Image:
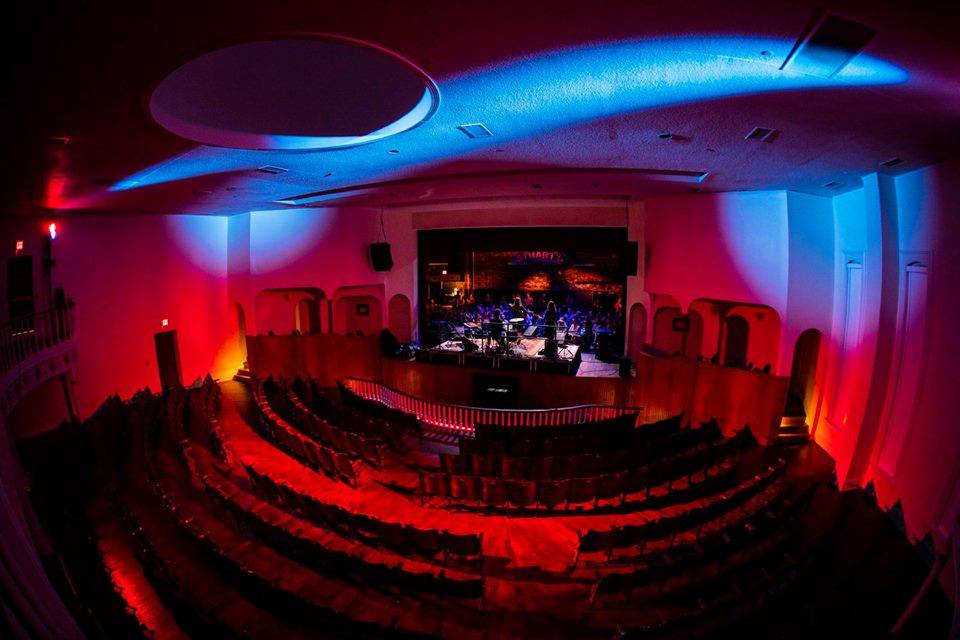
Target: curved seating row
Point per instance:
(601, 436)
(630, 535)
(550, 494)
(332, 595)
(632, 454)
(325, 550)
(779, 515)
(432, 544)
(335, 464)
(288, 405)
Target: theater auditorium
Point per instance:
(480, 320)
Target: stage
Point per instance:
(519, 354)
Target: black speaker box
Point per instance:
(380, 256)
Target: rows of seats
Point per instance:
(671, 524)
(353, 414)
(771, 519)
(433, 544)
(237, 548)
(603, 435)
(369, 449)
(303, 580)
(633, 453)
(325, 550)
(335, 464)
(584, 490)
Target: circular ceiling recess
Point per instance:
(304, 92)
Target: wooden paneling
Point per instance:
(662, 386)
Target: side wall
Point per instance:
(126, 274)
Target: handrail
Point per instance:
(25, 336)
(462, 418)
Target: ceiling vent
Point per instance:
(475, 130)
(762, 134)
(827, 45)
(833, 184)
(892, 162)
(272, 170)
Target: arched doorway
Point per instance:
(803, 374)
(665, 338)
(693, 348)
(242, 333)
(736, 335)
(308, 316)
(638, 330)
(399, 317)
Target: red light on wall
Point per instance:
(19, 246)
(52, 230)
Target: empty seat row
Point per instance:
(336, 464)
(361, 447)
(433, 544)
(604, 435)
(498, 492)
(323, 549)
(669, 525)
(557, 467)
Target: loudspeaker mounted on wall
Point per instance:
(380, 256)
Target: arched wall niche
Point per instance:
(803, 393)
(285, 310)
(400, 317)
(693, 344)
(359, 310)
(665, 338)
(637, 328)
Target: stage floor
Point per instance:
(522, 348)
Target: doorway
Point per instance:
(20, 304)
(803, 374)
(737, 334)
(168, 359)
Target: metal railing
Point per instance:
(28, 335)
(461, 419)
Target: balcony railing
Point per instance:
(28, 335)
(461, 419)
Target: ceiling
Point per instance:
(578, 98)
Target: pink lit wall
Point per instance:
(126, 274)
(916, 457)
(729, 246)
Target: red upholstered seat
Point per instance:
(552, 493)
(465, 487)
(494, 492)
(522, 493)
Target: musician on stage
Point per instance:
(550, 318)
(517, 310)
(496, 326)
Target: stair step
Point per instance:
(794, 430)
(792, 421)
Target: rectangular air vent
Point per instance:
(833, 184)
(475, 130)
(827, 45)
(892, 162)
(762, 134)
(271, 169)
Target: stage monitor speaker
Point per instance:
(469, 346)
(380, 256)
(631, 258)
